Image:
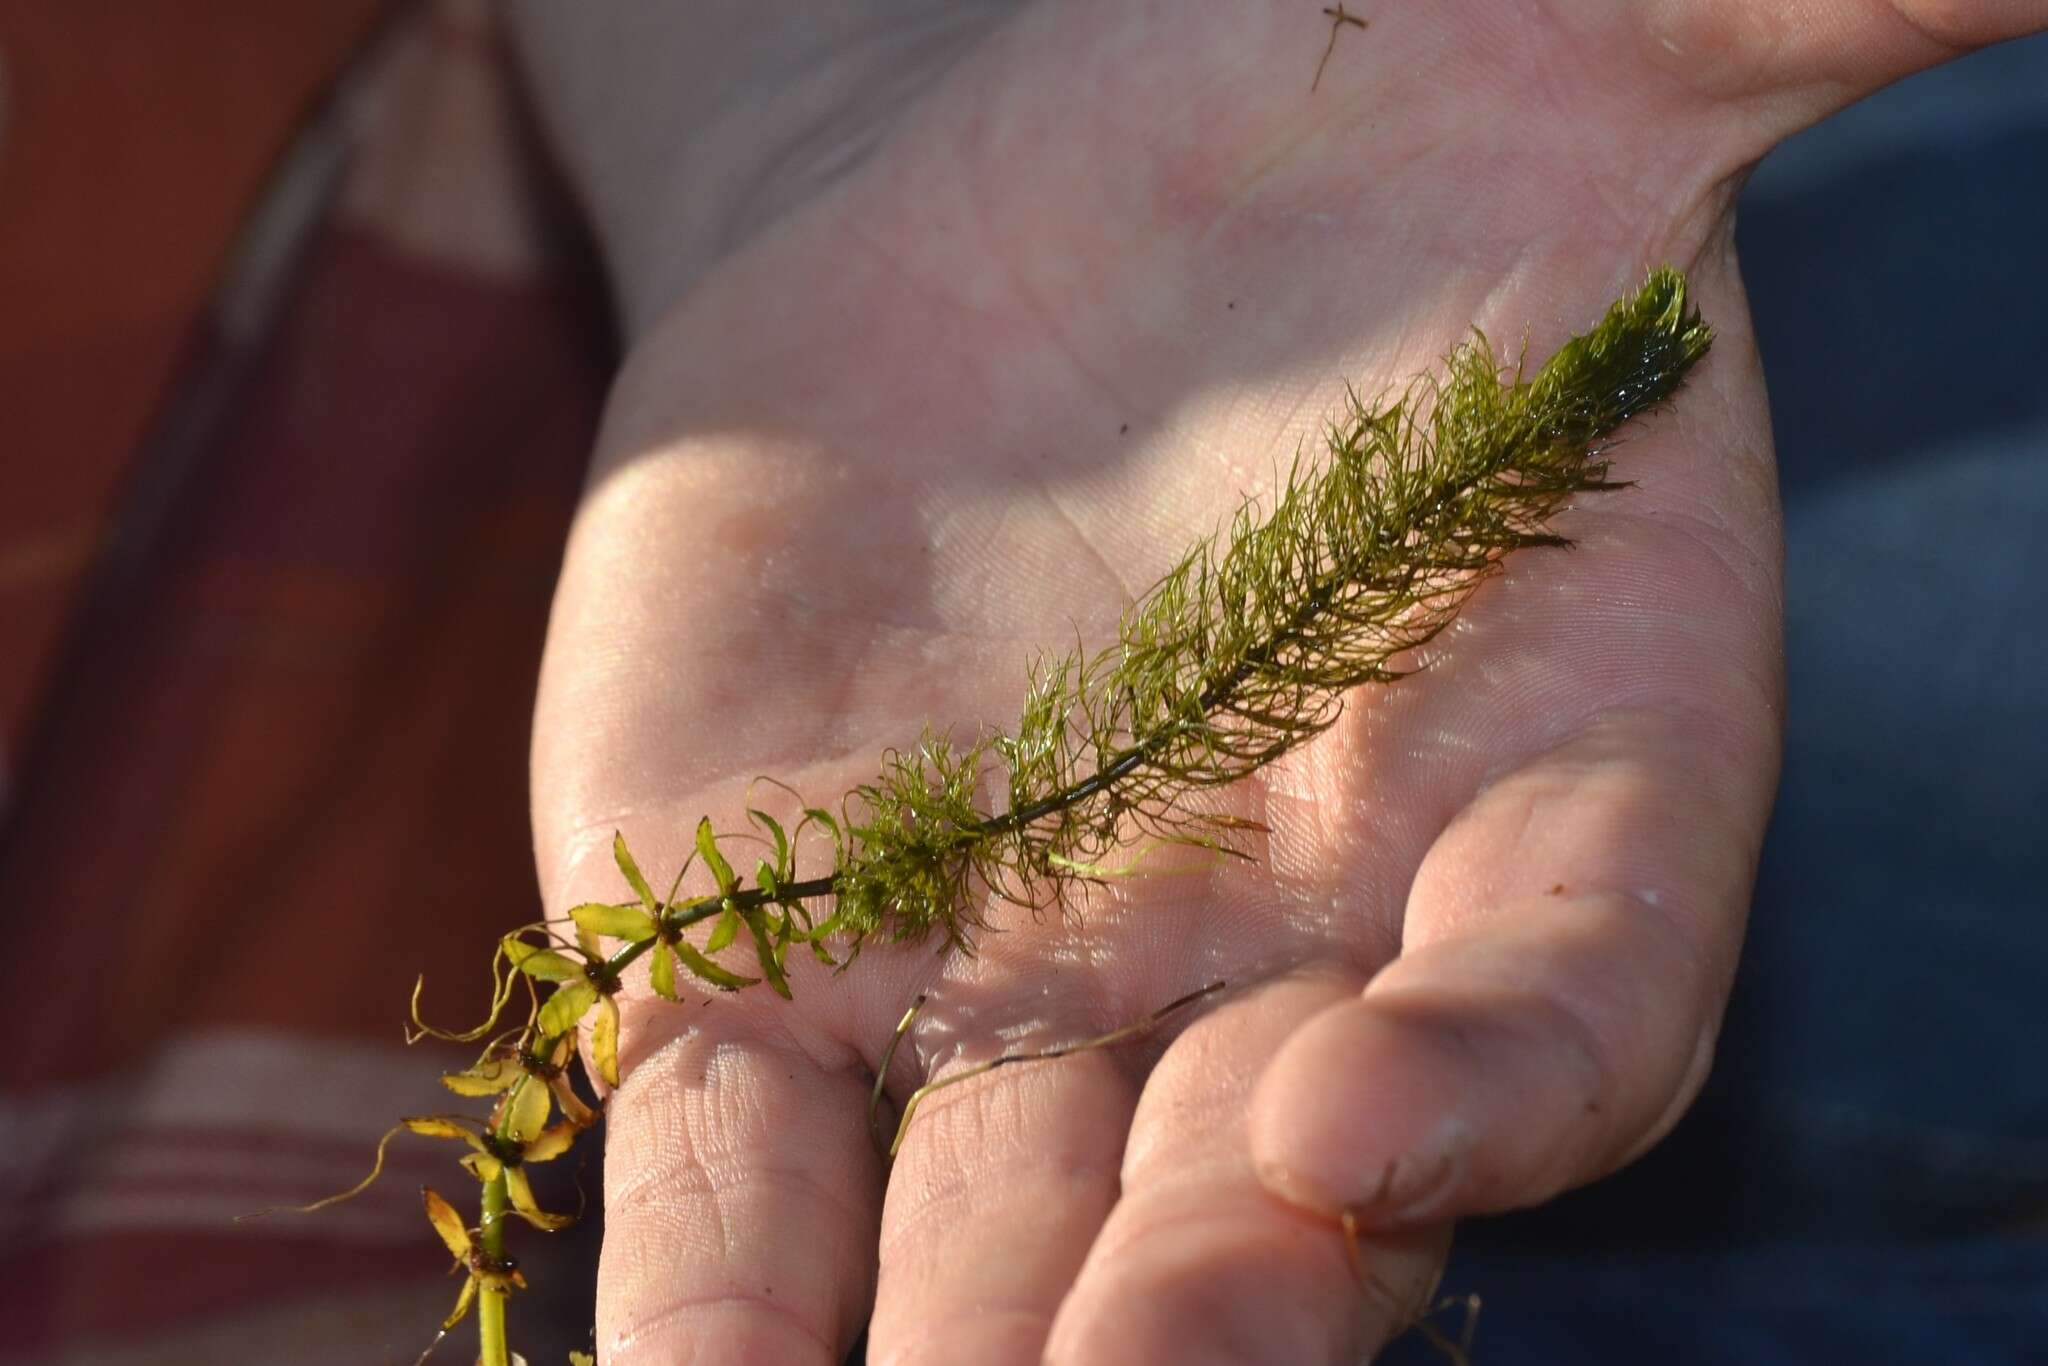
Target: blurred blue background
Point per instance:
(1866, 1178)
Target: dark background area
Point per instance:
(1866, 1176)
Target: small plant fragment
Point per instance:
(479, 1269)
(1065, 1050)
(1339, 17)
(1458, 1351)
(1242, 653)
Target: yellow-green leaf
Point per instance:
(661, 972)
(526, 1111)
(582, 1359)
(574, 1111)
(526, 1207)
(721, 871)
(765, 875)
(447, 1223)
(624, 858)
(563, 1009)
(462, 1303)
(442, 1126)
(486, 1078)
(545, 964)
(481, 1165)
(725, 931)
(551, 1144)
(710, 971)
(604, 1040)
(614, 922)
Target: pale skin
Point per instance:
(891, 423)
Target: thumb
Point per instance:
(1796, 64)
(1531, 1039)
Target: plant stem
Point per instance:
(1122, 764)
(490, 1299)
(1349, 570)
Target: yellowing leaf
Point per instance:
(604, 1041)
(481, 1165)
(614, 922)
(447, 1223)
(563, 1009)
(624, 858)
(721, 871)
(462, 1303)
(573, 1108)
(526, 1111)
(441, 1126)
(487, 1078)
(520, 1189)
(551, 1144)
(661, 972)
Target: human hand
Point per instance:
(876, 456)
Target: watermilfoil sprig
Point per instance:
(1240, 654)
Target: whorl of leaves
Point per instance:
(1246, 648)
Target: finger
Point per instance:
(741, 1199)
(1802, 62)
(999, 1189)
(1569, 943)
(1198, 1262)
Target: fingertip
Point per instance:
(1962, 25)
(1360, 1111)
(1482, 1075)
(1232, 1280)
(1198, 1262)
(1805, 62)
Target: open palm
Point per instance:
(1103, 272)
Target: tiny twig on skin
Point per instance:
(1339, 17)
(1065, 1050)
(1411, 1320)
(882, 1075)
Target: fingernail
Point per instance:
(1384, 1192)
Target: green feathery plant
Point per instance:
(1243, 652)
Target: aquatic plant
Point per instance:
(1243, 651)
